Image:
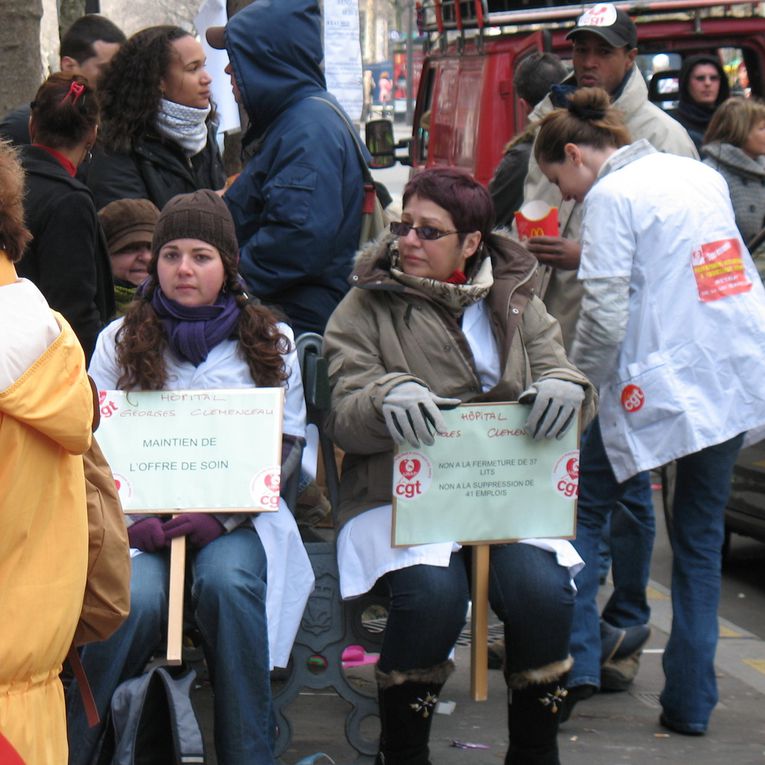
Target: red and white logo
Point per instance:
(602, 15)
(124, 489)
(409, 468)
(633, 398)
(411, 475)
(565, 474)
(107, 408)
(264, 488)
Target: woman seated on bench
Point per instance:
(443, 311)
(193, 327)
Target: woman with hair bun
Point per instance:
(672, 330)
(67, 257)
(158, 125)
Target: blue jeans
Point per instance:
(528, 590)
(698, 529)
(633, 529)
(228, 600)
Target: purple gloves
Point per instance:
(199, 528)
(147, 535)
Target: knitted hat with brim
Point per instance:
(200, 215)
(128, 221)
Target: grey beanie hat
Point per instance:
(199, 215)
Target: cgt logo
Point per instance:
(264, 488)
(107, 408)
(566, 475)
(412, 474)
(633, 398)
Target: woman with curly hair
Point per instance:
(193, 327)
(67, 257)
(158, 137)
(46, 414)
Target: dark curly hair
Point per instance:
(65, 109)
(130, 89)
(141, 341)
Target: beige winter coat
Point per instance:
(383, 334)
(559, 289)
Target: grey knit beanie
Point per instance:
(199, 215)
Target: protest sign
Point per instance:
(184, 451)
(486, 480)
(194, 450)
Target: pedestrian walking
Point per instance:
(672, 330)
(604, 53)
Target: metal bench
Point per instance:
(329, 624)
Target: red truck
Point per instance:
(467, 109)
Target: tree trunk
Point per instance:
(20, 43)
(69, 11)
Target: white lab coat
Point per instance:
(689, 358)
(289, 571)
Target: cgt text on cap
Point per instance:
(216, 37)
(608, 22)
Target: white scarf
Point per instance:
(184, 125)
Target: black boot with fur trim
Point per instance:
(534, 705)
(407, 705)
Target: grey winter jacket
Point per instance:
(746, 182)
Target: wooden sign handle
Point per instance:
(175, 600)
(479, 644)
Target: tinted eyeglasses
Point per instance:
(424, 233)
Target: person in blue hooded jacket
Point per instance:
(297, 202)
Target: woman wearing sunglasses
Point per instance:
(444, 311)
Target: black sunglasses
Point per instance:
(424, 233)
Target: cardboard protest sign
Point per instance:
(194, 450)
(486, 480)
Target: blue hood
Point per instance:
(276, 54)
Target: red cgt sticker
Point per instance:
(633, 398)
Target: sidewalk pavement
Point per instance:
(609, 729)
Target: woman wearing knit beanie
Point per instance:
(194, 327)
(128, 225)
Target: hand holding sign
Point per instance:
(412, 415)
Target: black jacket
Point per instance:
(67, 258)
(14, 127)
(155, 169)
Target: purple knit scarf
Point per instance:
(193, 331)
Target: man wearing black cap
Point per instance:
(604, 51)
(297, 203)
